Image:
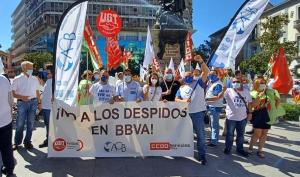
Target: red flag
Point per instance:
(283, 81)
(89, 37)
(189, 48)
(114, 53)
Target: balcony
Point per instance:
(297, 24)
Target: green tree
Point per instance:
(39, 59)
(269, 43)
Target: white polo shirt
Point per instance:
(5, 109)
(129, 91)
(26, 86)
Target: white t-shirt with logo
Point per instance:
(129, 91)
(102, 93)
(198, 103)
(214, 90)
(26, 86)
(5, 109)
(235, 107)
(151, 91)
(47, 95)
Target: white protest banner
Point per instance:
(121, 130)
(67, 52)
(238, 32)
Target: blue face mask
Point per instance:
(29, 72)
(236, 85)
(104, 79)
(96, 77)
(188, 79)
(213, 78)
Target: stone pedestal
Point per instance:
(171, 51)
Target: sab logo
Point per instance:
(160, 146)
(59, 144)
(64, 45)
(114, 147)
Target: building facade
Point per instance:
(42, 16)
(19, 38)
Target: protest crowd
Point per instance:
(207, 92)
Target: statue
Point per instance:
(173, 29)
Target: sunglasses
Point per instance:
(236, 82)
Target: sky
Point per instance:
(208, 17)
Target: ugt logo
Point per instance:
(64, 61)
(114, 147)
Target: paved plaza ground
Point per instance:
(282, 159)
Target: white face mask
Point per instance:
(262, 87)
(127, 79)
(236, 85)
(169, 76)
(154, 81)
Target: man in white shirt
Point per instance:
(193, 92)
(214, 98)
(47, 99)
(102, 91)
(237, 111)
(129, 90)
(6, 127)
(25, 89)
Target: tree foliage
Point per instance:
(39, 59)
(269, 43)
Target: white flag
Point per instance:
(237, 34)
(149, 52)
(143, 73)
(1, 67)
(181, 68)
(68, 50)
(171, 65)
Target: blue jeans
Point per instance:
(214, 114)
(198, 126)
(26, 112)
(239, 126)
(46, 115)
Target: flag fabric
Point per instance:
(85, 49)
(181, 68)
(189, 48)
(91, 46)
(1, 67)
(283, 81)
(171, 65)
(238, 32)
(149, 52)
(143, 73)
(67, 53)
(114, 53)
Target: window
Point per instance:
(298, 13)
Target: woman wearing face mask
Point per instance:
(96, 76)
(261, 119)
(152, 91)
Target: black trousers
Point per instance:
(6, 147)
